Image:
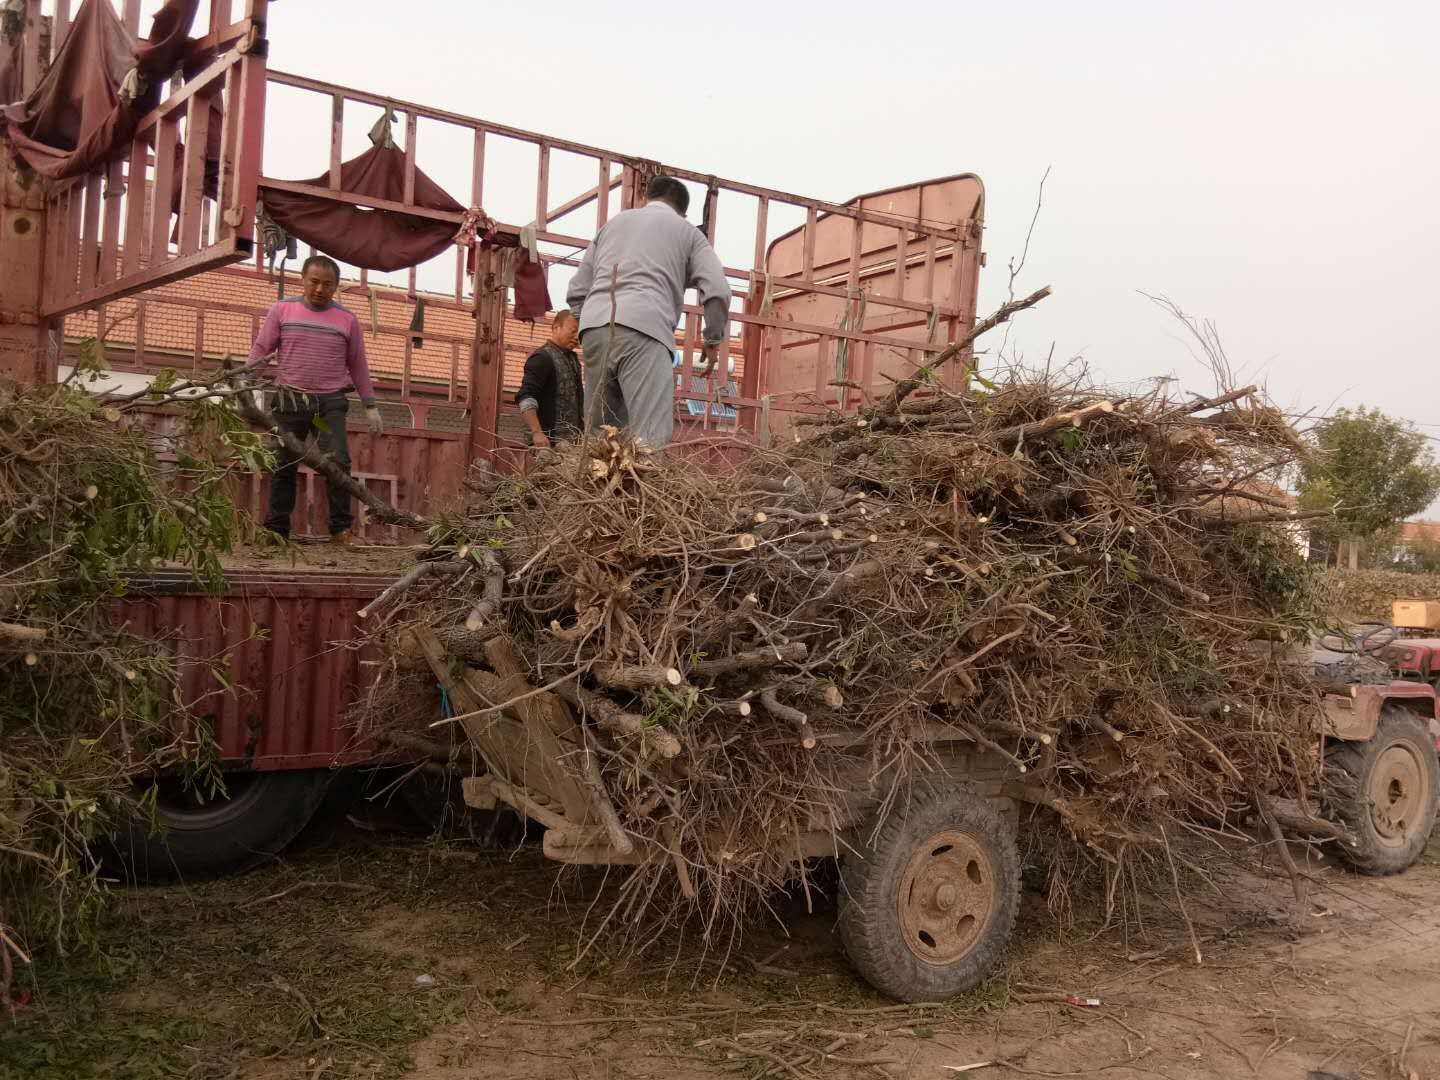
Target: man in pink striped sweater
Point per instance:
(321, 353)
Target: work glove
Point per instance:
(709, 353)
(374, 420)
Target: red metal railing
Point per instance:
(829, 298)
(110, 234)
(927, 266)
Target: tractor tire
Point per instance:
(257, 818)
(1384, 791)
(928, 901)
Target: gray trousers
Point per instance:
(638, 391)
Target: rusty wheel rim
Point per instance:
(1397, 794)
(947, 897)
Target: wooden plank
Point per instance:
(337, 124)
(477, 168)
(358, 200)
(140, 306)
(61, 26)
(867, 368)
(219, 15)
(807, 270)
(30, 59)
(411, 121)
(602, 203)
(548, 721)
(853, 282)
(500, 741)
(192, 180)
(542, 188)
(90, 231)
(74, 211)
(226, 186)
(822, 359)
(762, 222)
(902, 254)
(248, 107)
(143, 280)
(162, 189)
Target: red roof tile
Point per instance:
(234, 299)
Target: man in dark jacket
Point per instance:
(551, 396)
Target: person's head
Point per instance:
(319, 277)
(565, 329)
(667, 189)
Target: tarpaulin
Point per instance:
(527, 270)
(532, 292)
(77, 118)
(373, 239)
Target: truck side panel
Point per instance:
(288, 671)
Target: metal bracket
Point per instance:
(256, 44)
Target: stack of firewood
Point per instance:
(1073, 579)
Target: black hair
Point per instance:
(562, 315)
(671, 191)
(322, 260)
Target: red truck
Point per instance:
(281, 641)
(832, 299)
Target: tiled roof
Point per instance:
(1410, 531)
(235, 298)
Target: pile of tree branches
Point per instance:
(87, 494)
(1071, 581)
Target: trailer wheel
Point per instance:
(255, 820)
(928, 901)
(1384, 792)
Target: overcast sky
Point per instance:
(1268, 165)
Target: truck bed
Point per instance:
(286, 635)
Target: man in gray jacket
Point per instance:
(646, 258)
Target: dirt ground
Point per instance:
(375, 953)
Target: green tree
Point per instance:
(1371, 471)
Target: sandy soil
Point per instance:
(376, 954)
(1341, 993)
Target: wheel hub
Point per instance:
(946, 897)
(1396, 793)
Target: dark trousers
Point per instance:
(303, 415)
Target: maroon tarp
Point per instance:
(373, 239)
(532, 294)
(75, 121)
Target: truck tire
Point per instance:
(257, 818)
(927, 902)
(1384, 792)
